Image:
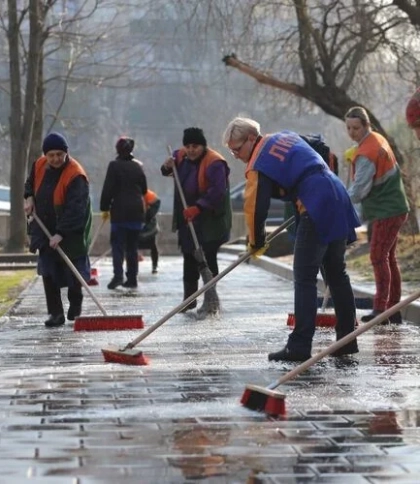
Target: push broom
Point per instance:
(323, 319)
(128, 355)
(211, 300)
(94, 323)
(269, 400)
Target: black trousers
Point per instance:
(53, 295)
(191, 272)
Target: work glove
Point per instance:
(191, 212)
(105, 216)
(257, 251)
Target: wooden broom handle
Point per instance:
(183, 201)
(96, 235)
(70, 264)
(343, 341)
(245, 256)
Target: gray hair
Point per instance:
(239, 128)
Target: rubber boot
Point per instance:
(211, 304)
(190, 288)
(348, 349)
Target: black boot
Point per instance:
(55, 321)
(189, 289)
(74, 311)
(375, 312)
(115, 282)
(349, 349)
(75, 297)
(396, 318)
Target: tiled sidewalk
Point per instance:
(68, 417)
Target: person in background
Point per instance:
(285, 166)
(57, 190)
(122, 195)
(204, 177)
(378, 186)
(412, 113)
(148, 234)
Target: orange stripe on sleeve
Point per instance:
(250, 203)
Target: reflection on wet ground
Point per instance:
(66, 416)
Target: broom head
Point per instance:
(264, 400)
(323, 320)
(114, 354)
(108, 323)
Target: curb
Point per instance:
(410, 313)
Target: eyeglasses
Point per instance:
(236, 151)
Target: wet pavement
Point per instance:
(66, 416)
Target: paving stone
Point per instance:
(67, 416)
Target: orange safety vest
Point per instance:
(210, 157)
(71, 170)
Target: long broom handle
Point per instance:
(183, 201)
(245, 256)
(70, 264)
(104, 254)
(96, 235)
(343, 341)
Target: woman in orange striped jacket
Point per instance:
(378, 186)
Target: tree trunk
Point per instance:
(21, 124)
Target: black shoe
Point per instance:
(74, 312)
(130, 284)
(54, 321)
(368, 317)
(396, 318)
(154, 270)
(192, 305)
(287, 355)
(115, 282)
(348, 349)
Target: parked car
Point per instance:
(4, 198)
(275, 212)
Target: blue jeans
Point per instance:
(309, 255)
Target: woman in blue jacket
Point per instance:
(283, 165)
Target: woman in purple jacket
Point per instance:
(204, 177)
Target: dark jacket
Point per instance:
(123, 190)
(62, 202)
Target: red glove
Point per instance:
(191, 212)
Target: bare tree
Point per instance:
(45, 33)
(334, 54)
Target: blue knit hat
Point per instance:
(55, 141)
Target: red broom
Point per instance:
(91, 323)
(323, 319)
(268, 400)
(128, 356)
